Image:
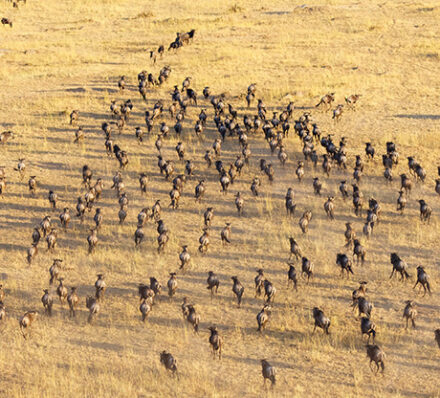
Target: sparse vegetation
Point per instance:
(63, 63)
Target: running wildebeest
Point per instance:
(305, 220)
(93, 307)
(321, 320)
(26, 321)
(216, 342)
(192, 317)
(307, 268)
(377, 356)
(213, 283)
(259, 282)
(47, 301)
(410, 313)
(238, 289)
(168, 361)
(72, 300)
(368, 328)
(291, 276)
(294, 249)
(268, 372)
(263, 318)
(425, 211)
(423, 279)
(226, 234)
(269, 291)
(100, 287)
(345, 263)
(145, 308)
(172, 284)
(399, 266)
(437, 336)
(364, 307)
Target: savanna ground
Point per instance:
(64, 55)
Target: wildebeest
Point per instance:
(184, 257)
(399, 266)
(54, 270)
(204, 241)
(145, 308)
(93, 307)
(31, 253)
(326, 100)
(377, 356)
(294, 249)
(359, 292)
(269, 291)
(317, 186)
(53, 199)
(172, 284)
(305, 220)
(425, 211)
(410, 313)
(352, 99)
(259, 282)
(290, 205)
(405, 184)
(345, 263)
(139, 235)
(307, 268)
(291, 276)
(193, 318)
(238, 289)
(268, 372)
(401, 202)
(213, 283)
(92, 240)
(423, 279)
(100, 287)
(368, 328)
(216, 342)
(62, 291)
(359, 251)
(369, 150)
(2, 311)
(349, 234)
(26, 321)
(321, 320)
(437, 337)
(72, 300)
(32, 184)
(168, 361)
(364, 307)
(343, 189)
(329, 206)
(225, 234)
(263, 317)
(6, 21)
(47, 301)
(337, 112)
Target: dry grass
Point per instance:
(68, 55)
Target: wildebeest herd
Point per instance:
(278, 130)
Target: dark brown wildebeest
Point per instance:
(216, 342)
(168, 361)
(377, 356)
(423, 279)
(268, 372)
(321, 320)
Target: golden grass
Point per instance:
(68, 55)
